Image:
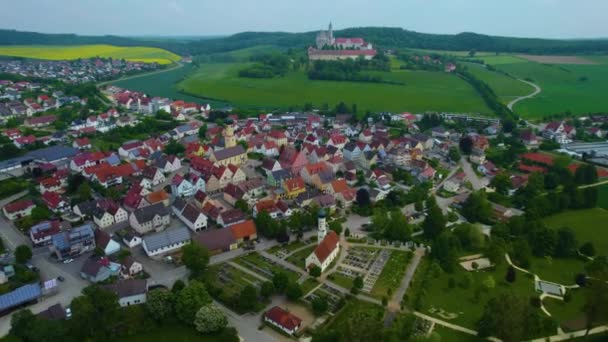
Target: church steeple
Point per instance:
(322, 226)
(331, 33)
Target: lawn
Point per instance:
(262, 263)
(578, 88)
(602, 200)
(134, 53)
(164, 84)
(567, 314)
(341, 280)
(417, 91)
(355, 308)
(460, 305)
(587, 224)
(308, 285)
(392, 274)
(299, 258)
(561, 271)
(11, 186)
(449, 335)
(507, 88)
(172, 333)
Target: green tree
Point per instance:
(202, 132)
(174, 148)
(586, 174)
(489, 283)
(241, 205)
(84, 192)
(280, 281)
(434, 223)
(588, 249)
(195, 258)
(95, 313)
(454, 154)
(293, 291)
(189, 300)
(267, 289)
(363, 199)
(248, 298)
(567, 245)
(315, 271)
(159, 304)
(466, 145)
(502, 183)
(23, 254)
(319, 306)
(210, 319)
(336, 226)
(522, 254)
(477, 208)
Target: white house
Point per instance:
(190, 215)
(129, 291)
(283, 320)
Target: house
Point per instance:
(55, 202)
(231, 216)
(40, 121)
(131, 268)
(528, 138)
(187, 186)
(190, 215)
(152, 177)
(19, 209)
(97, 270)
(82, 143)
(168, 164)
(53, 312)
(294, 187)
(131, 239)
(276, 178)
(278, 137)
(293, 159)
(104, 241)
(158, 244)
(52, 184)
(243, 231)
(158, 197)
(278, 209)
(153, 217)
(129, 291)
(18, 297)
(216, 240)
(73, 242)
(42, 233)
(451, 185)
(283, 320)
(102, 218)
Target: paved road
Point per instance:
(471, 176)
(536, 91)
(179, 65)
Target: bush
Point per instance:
(510, 277)
(581, 279)
(588, 249)
(535, 302)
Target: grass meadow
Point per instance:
(417, 91)
(507, 88)
(135, 53)
(588, 225)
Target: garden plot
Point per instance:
(374, 272)
(331, 295)
(264, 266)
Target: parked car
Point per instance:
(67, 261)
(60, 278)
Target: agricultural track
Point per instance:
(536, 91)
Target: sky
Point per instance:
(517, 18)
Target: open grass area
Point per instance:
(11, 186)
(392, 274)
(172, 333)
(341, 280)
(130, 53)
(308, 285)
(589, 225)
(355, 308)
(164, 84)
(449, 335)
(259, 261)
(464, 305)
(299, 258)
(578, 88)
(417, 91)
(568, 315)
(507, 88)
(602, 193)
(561, 271)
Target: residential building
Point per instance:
(19, 209)
(158, 244)
(153, 217)
(129, 291)
(283, 320)
(73, 242)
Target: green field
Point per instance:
(567, 313)
(557, 270)
(507, 88)
(418, 91)
(500, 59)
(578, 88)
(164, 84)
(589, 226)
(135, 53)
(602, 200)
(172, 333)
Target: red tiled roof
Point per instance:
(540, 158)
(283, 318)
(531, 168)
(326, 246)
(18, 206)
(243, 229)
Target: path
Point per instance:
(248, 271)
(470, 174)
(395, 303)
(536, 91)
(177, 66)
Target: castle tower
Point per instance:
(229, 138)
(321, 226)
(331, 34)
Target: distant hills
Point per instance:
(383, 37)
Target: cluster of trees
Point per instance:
(347, 70)
(390, 225)
(96, 315)
(267, 66)
(298, 223)
(486, 93)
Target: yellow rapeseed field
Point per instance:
(52, 52)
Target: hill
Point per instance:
(63, 52)
(384, 37)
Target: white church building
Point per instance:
(328, 246)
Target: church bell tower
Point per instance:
(322, 226)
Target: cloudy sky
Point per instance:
(526, 18)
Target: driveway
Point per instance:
(476, 182)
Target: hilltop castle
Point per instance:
(330, 48)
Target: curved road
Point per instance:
(536, 91)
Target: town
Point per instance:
(134, 215)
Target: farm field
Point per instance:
(419, 91)
(507, 88)
(135, 53)
(585, 224)
(577, 88)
